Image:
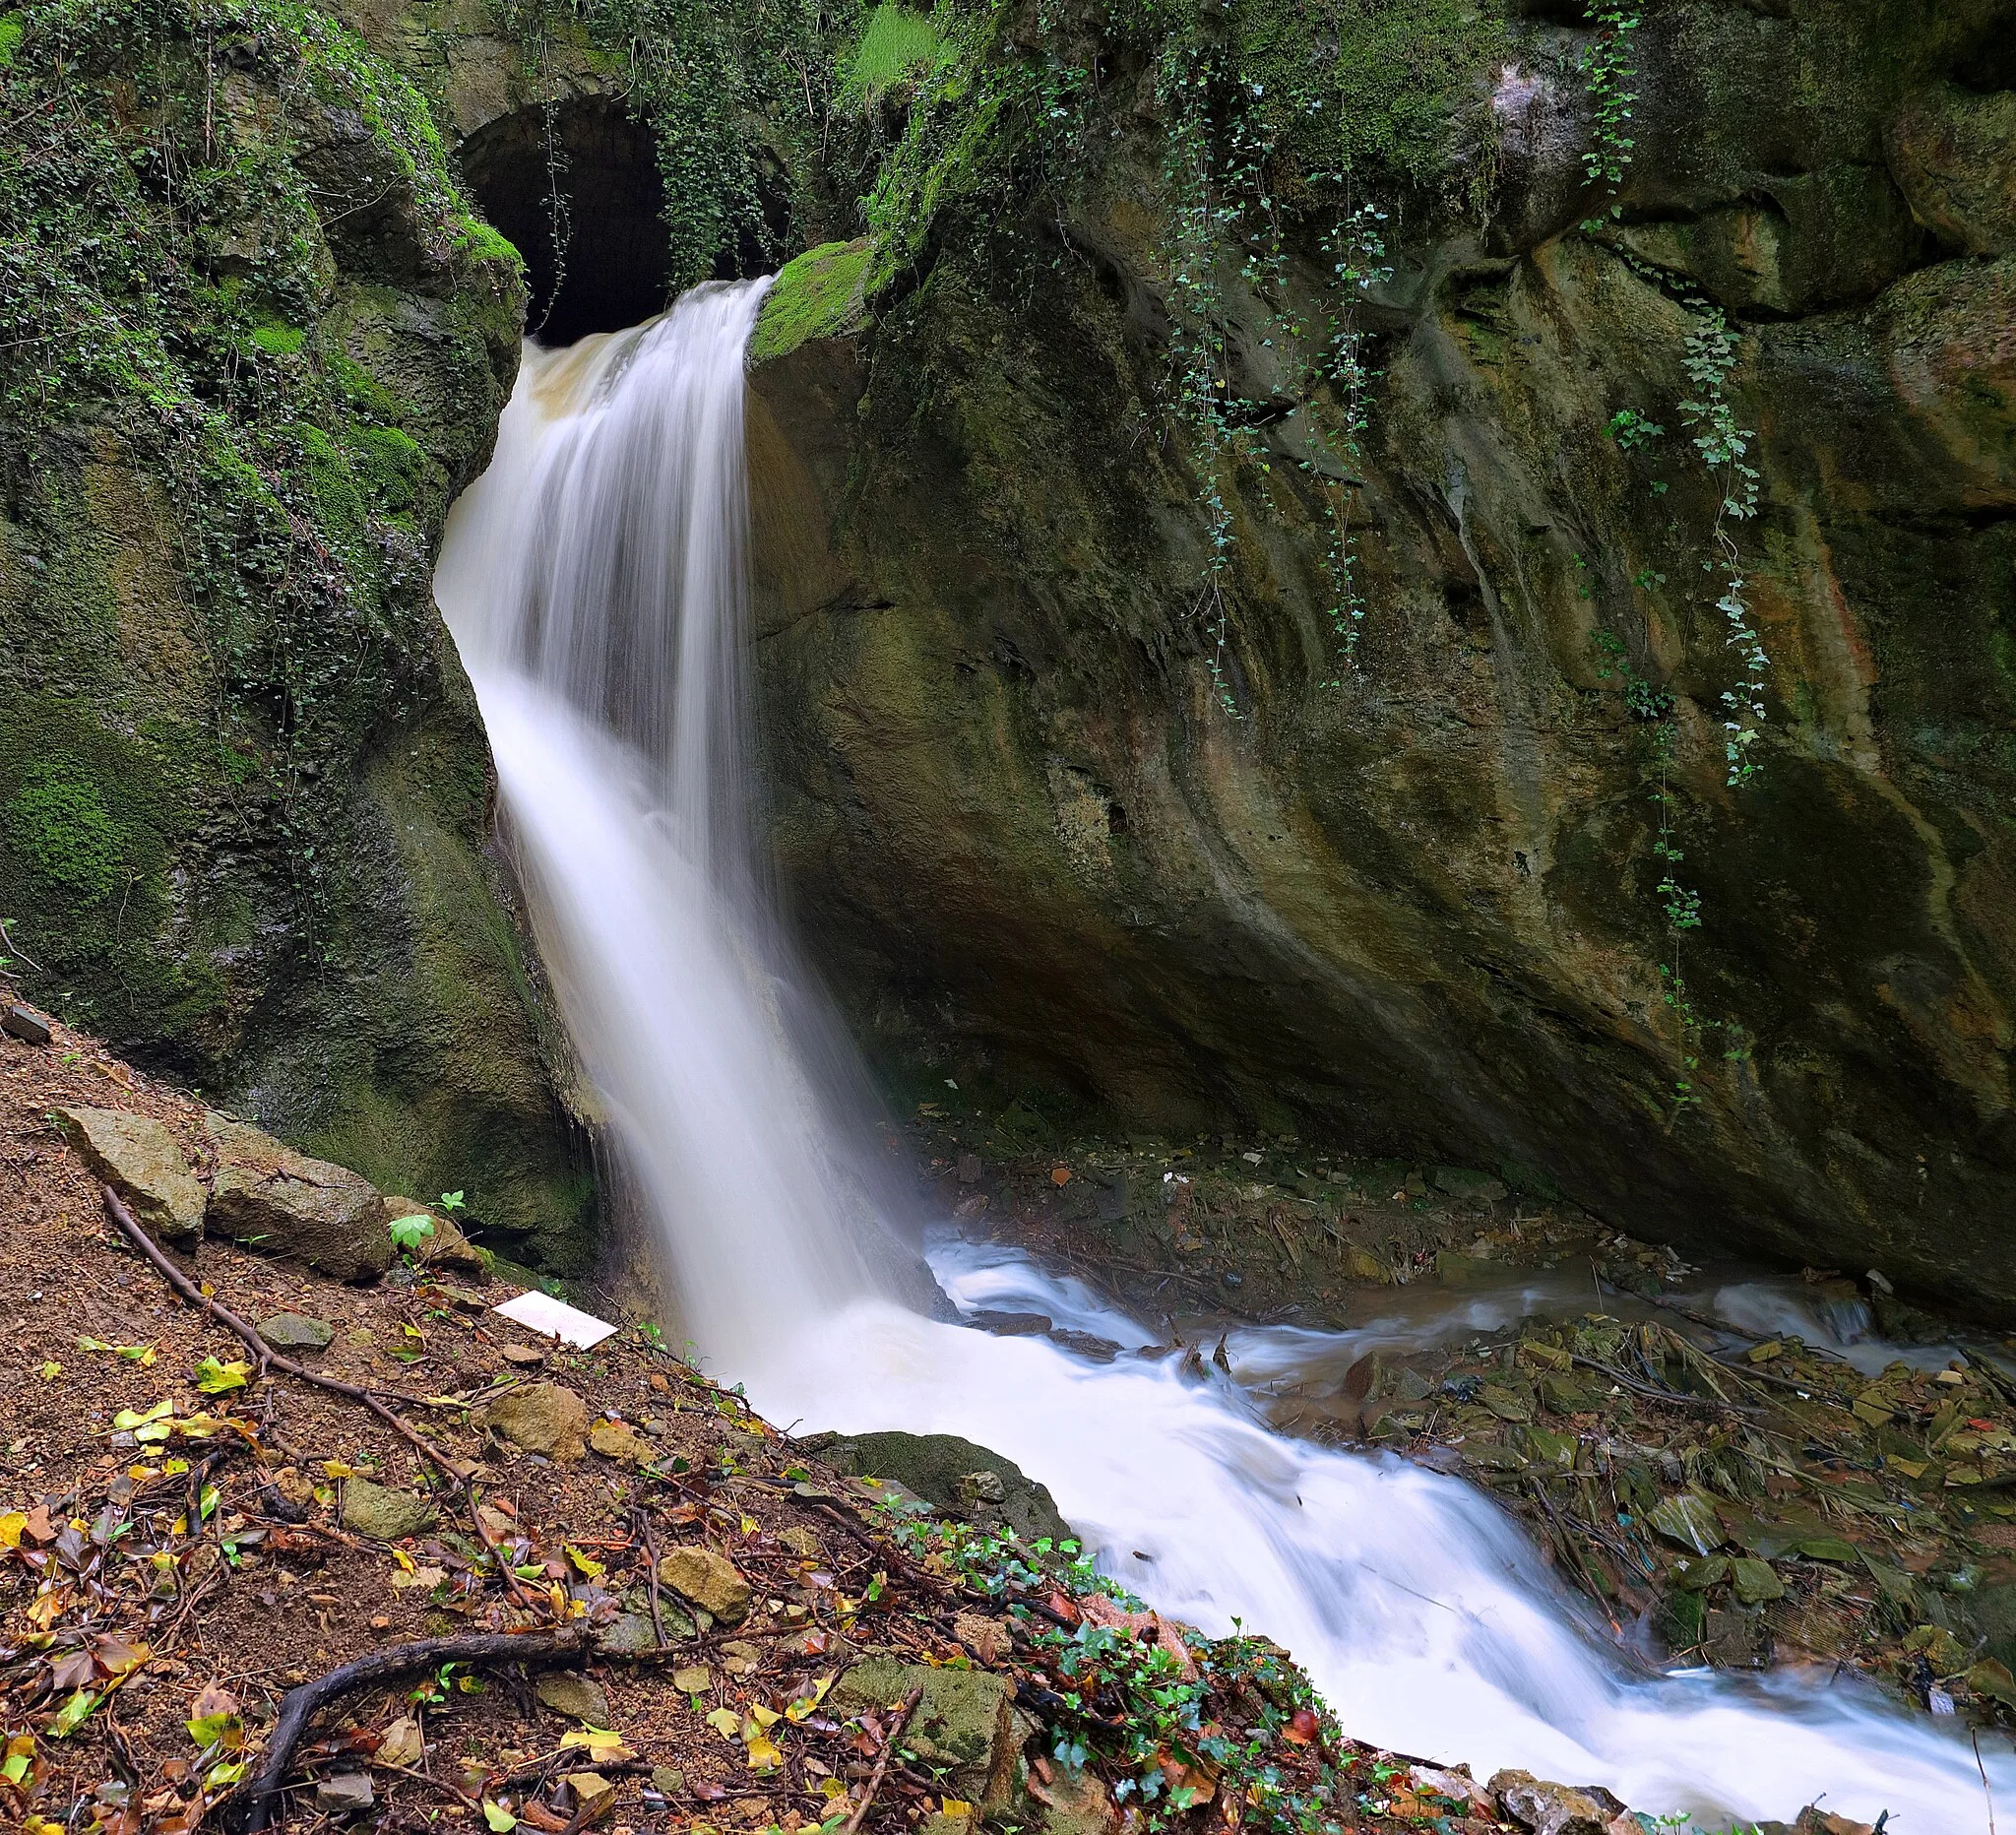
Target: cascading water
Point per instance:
(595, 580)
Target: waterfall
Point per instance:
(595, 580)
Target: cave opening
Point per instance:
(600, 164)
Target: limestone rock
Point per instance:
(447, 1247)
(966, 1719)
(614, 1440)
(1544, 1808)
(345, 1793)
(381, 1513)
(542, 1417)
(1949, 150)
(266, 1194)
(711, 1581)
(295, 1331)
(576, 1696)
(1079, 1803)
(626, 1634)
(955, 1476)
(25, 1023)
(142, 1163)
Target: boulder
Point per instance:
(142, 1163)
(575, 1696)
(541, 1417)
(266, 1194)
(295, 1331)
(1544, 1808)
(25, 1023)
(381, 1513)
(952, 1475)
(966, 1719)
(711, 1581)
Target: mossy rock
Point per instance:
(822, 293)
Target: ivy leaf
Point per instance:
(72, 1714)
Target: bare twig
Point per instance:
(875, 1777)
(248, 1808)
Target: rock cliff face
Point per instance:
(253, 344)
(1481, 886)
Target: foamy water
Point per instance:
(595, 579)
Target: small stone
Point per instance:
(143, 1161)
(667, 1782)
(695, 1680)
(382, 1514)
(970, 1168)
(345, 1793)
(800, 1541)
(541, 1417)
(25, 1023)
(739, 1657)
(295, 1331)
(1544, 1808)
(588, 1785)
(575, 1696)
(627, 1634)
(524, 1355)
(711, 1581)
(614, 1440)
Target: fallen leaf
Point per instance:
(501, 1819)
(603, 1746)
(401, 1743)
(51, 1370)
(726, 1721)
(72, 1714)
(215, 1379)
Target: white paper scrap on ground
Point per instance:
(555, 1318)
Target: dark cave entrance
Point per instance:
(612, 202)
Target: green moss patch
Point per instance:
(896, 46)
(820, 294)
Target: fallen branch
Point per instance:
(247, 1809)
(875, 1777)
(129, 1227)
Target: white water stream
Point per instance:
(595, 579)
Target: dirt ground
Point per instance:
(187, 1552)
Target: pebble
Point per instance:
(295, 1331)
(345, 1793)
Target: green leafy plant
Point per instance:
(410, 1233)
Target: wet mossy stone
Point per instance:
(381, 1513)
(941, 1469)
(822, 293)
(966, 1719)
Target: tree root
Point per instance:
(129, 1227)
(881, 1771)
(247, 1809)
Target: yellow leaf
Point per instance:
(726, 1721)
(591, 1568)
(405, 1559)
(127, 1420)
(51, 1370)
(337, 1469)
(173, 1468)
(763, 1754)
(954, 1807)
(10, 1526)
(750, 1526)
(603, 1746)
(830, 1788)
(501, 1819)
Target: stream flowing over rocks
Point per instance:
(1228, 782)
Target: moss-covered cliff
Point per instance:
(1270, 616)
(252, 340)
